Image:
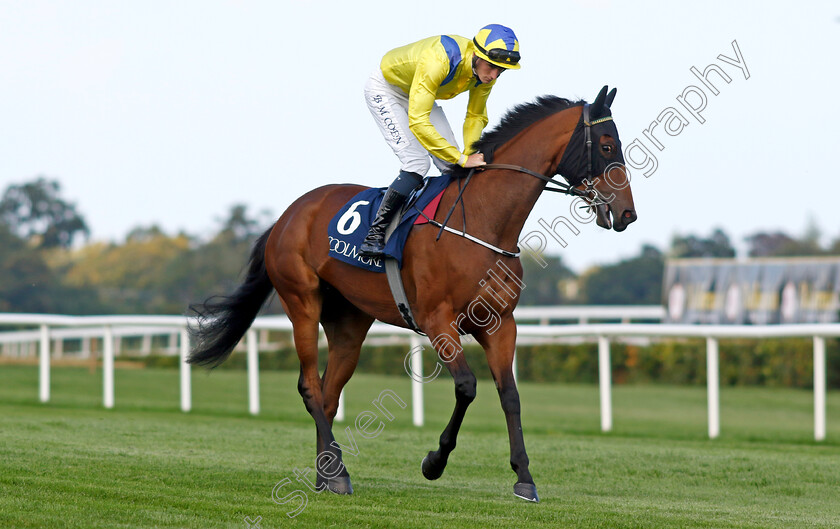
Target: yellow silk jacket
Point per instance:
(438, 67)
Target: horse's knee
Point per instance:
(307, 395)
(302, 388)
(465, 388)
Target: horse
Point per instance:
(442, 272)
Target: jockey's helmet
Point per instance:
(498, 45)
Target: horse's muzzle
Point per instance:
(627, 216)
(620, 222)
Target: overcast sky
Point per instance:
(170, 112)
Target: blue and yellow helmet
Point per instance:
(498, 45)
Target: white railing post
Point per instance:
(416, 385)
(44, 365)
(713, 386)
(146, 345)
(819, 388)
(186, 382)
(339, 412)
(514, 369)
(108, 366)
(253, 373)
(605, 383)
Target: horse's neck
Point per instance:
(506, 197)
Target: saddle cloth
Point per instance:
(348, 228)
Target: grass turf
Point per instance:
(71, 463)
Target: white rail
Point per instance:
(603, 333)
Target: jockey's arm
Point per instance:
(430, 73)
(476, 118)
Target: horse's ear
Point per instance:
(597, 106)
(610, 97)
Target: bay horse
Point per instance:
(442, 272)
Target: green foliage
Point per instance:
(776, 362)
(29, 284)
(544, 286)
(35, 211)
(637, 280)
(149, 273)
(25, 277)
(126, 277)
(778, 244)
(717, 245)
(200, 272)
(743, 362)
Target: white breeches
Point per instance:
(389, 107)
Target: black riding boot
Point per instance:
(397, 192)
(375, 241)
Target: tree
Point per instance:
(36, 212)
(24, 276)
(779, 244)
(240, 227)
(717, 245)
(633, 281)
(543, 286)
(215, 267)
(130, 277)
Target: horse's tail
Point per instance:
(223, 320)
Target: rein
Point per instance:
(562, 187)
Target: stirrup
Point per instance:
(373, 245)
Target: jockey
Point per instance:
(401, 96)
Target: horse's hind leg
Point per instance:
(299, 290)
(499, 348)
(345, 327)
(448, 346)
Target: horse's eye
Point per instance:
(607, 148)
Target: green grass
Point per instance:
(71, 463)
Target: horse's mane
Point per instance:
(515, 121)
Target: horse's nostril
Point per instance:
(627, 214)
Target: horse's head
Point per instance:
(594, 165)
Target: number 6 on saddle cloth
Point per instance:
(348, 227)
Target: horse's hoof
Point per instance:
(428, 472)
(340, 485)
(526, 491)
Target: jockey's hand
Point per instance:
(475, 160)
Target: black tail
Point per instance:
(223, 320)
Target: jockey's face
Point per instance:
(487, 72)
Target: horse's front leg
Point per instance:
(448, 347)
(499, 347)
